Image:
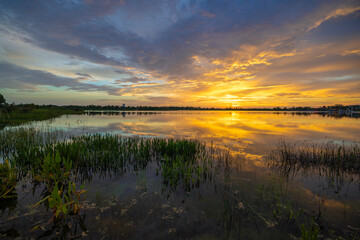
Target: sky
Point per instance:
(225, 53)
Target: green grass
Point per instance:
(309, 233)
(26, 149)
(60, 165)
(18, 117)
(48, 159)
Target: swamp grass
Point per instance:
(338, 157)
(56, 163)
(177, 159)
(20, 116)
(59, 164)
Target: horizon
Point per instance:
(196, 107)
(202, 54)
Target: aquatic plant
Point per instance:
(52, 161)
(53, 169)
(60, 192)
(309, 232)
(185, 160)
(345, 157)
(65, 201)
(59, 165)
(7, 180)
(338, 163)
(23, 147)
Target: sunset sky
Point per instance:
(182, 53)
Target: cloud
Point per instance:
(85, 75)
(130, 80)
(335, 14)
(350, 52)
(288, 94)
(233, 50)
(20, 78)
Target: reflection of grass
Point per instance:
(18, 117)
(341, 157)
(277, 207)
(338, 164)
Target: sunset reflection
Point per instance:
(252, 133)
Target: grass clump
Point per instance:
(7, 180)
(60, 193)
(340, 157)
(310, 233)
(52, 160)
(177, 159)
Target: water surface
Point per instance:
(253, 133)
(239, 203)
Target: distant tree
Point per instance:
(338, 106)
(2, 100)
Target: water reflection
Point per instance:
(9, 203)
(323, 114)
(333, 166)
(235, 195)
(251, 133)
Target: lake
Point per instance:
(253, 133)
(248, 195)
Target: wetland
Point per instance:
(181, 175)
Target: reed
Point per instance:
(340, 157)
(176, 159)
(48, 157)
(60, 164)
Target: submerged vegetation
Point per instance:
(61, 167)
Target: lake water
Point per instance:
(253, 133)
(243, 202)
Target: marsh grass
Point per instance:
(336, 163)
(57, 162)
(60, 164)
(21, 116)
(178, 160)
(331, 159)
(330, 154)
(310, 232)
